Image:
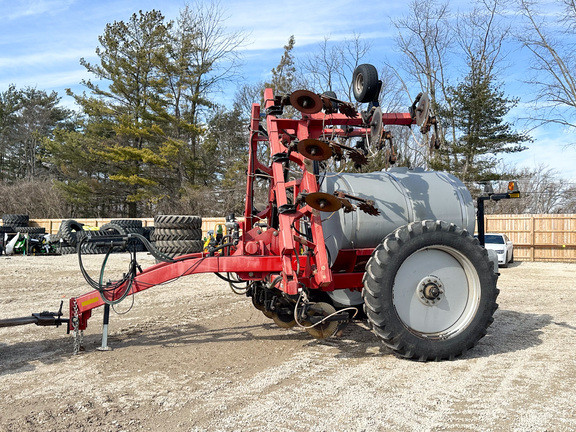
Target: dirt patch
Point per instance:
(192, 355)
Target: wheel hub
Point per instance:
(430, 290)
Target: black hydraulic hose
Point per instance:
(228, 279)
(225, 245)
(275, 282)
(295, 229)
(233, 283)
(128, 278)
(87, 277)
(150, 248)
(111, 242)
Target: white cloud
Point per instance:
(45, 58)
(550, 149)
(48, 81)
(272, 23)
(14, 10)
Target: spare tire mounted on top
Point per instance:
(365, 83)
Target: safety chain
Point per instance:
(78, 334)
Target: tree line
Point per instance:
(149, 138)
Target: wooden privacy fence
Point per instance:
(535, 237)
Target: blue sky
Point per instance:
(41, 42)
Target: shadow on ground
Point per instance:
(511, 331)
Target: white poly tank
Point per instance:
(402, 195)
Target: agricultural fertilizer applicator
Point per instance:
(323, 245)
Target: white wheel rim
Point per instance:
(359, 83)
(450, 312)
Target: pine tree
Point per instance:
(284, 75)
(143, 119)
(81, 175)
(27, 117)
(479, 107)
(9, 101)
(226, 146)
(129, 117)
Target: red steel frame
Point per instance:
(275, 250)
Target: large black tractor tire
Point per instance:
(365, 83)
(430, 291)
(176, 235)
(15, 220)
(177, 222)
(66, 250)
(68, 230)
(127, 223)
(182, 247)
(30, 230)
(113, 229)
(167, 234)
(133, 244)
(148, 232)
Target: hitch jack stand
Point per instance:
(106, 320)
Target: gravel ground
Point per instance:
(193, 356)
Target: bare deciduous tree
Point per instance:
(212, 52)
(542, 192)
(332, 66)
(425, 38)
(481, 35)
(550, 39)
(201, 58)
(37, 198)
(247, 95)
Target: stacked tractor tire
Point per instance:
(71, 234)
(176, 235)
(18, 223)
(173, 235)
